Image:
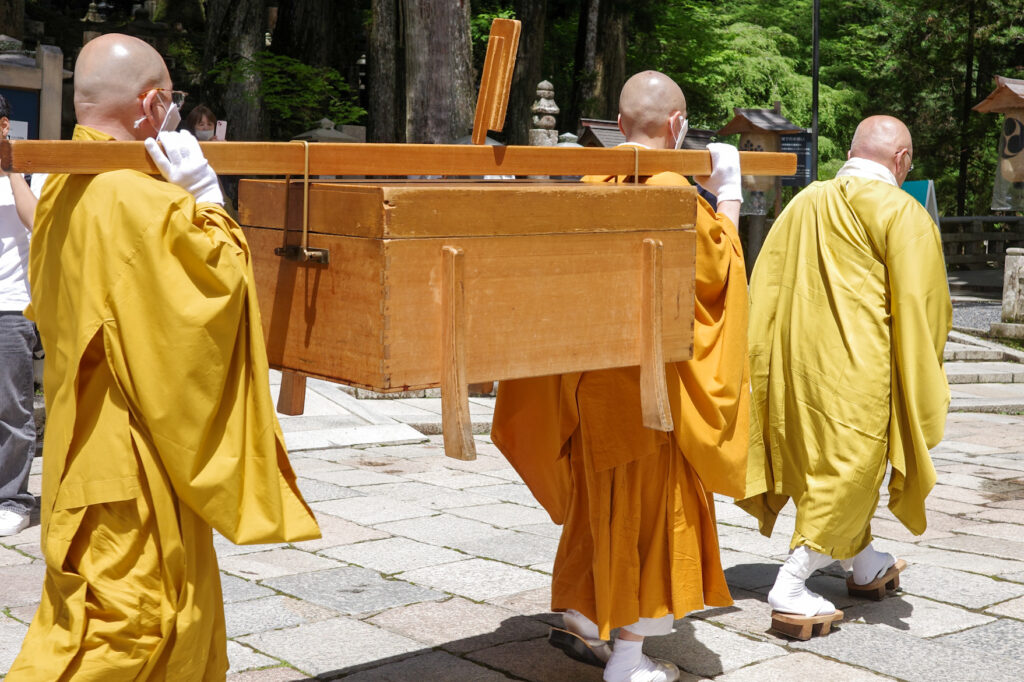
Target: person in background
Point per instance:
(17, 339)
(202, 123)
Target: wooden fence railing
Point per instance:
(980, 242)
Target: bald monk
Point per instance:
(848, 319)
(639, 547)
(160, 421)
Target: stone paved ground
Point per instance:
(436, 569)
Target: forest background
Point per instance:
(408, 69)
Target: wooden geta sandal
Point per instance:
(804, 627)
(877, 588)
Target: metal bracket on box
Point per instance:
(302, 252)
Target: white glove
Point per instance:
(184, 165)
(724, 181)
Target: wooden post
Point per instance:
(292, 398)
(653, 389)
(456, 424)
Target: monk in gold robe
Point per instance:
(849, 315)
(639, 546)
(160, 421)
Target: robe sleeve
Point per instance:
(921, 319)
(184, 343)
(532, 424)
(712, 413)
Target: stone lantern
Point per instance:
(1008, 99)
(760, 130)
(544, 110)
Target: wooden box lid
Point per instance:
(392, 210)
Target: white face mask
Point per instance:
(682, 133)
(171, 119)
(204, 135)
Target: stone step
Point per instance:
(965, 352)
(984, 372)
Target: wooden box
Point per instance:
(550, 277)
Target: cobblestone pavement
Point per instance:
(437, 569)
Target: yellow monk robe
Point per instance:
(160, 425)
(849, 315)
(578, 442)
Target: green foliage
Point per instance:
(294, 95)
(480, 26)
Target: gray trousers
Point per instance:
(17, 424)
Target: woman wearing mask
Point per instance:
(201, 122)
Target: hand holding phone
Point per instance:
(221, 130)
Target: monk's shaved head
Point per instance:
(884, 140)
(110, 74)
(646, 103)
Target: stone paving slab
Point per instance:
(394, 555)
(914, 615)
(331, 647)
(438, 569)
(352, 590)
(999, 639)
(957, 587)
(435, 665)
(905, 657)
(705, 650)
(800, 666)
(459, 625)
(477, 579)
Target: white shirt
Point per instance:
(14, 240)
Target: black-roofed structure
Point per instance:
(596, 132)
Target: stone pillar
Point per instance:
(544, 110)
(1012, 325)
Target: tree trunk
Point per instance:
(439, 88)
(321, 33)
(529, 62)
(12, 18)
(385, 76)
(581, 104)
(235, 30)
(610, 58)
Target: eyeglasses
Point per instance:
(177, 96)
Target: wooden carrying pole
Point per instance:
(325, 158)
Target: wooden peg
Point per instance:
(455, 420)
(653, 389)
(292, 398)
(496, 79)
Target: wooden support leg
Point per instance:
(292, 399)
(455, 421)
(653, 388)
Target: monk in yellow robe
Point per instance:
(160, 421)
(639, 546)
(849, 315)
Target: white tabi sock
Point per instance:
(790, 593)
(870, 565)
(581, 625)
(629, 664)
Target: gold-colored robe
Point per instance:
(579, 443)
(849, 315)
(159, 425)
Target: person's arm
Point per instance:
(24, 200)
(724, 181)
